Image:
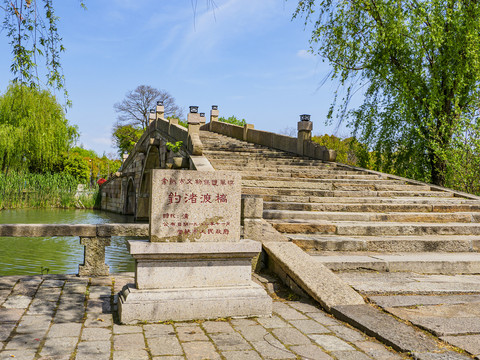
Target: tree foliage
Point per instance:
(417, 63)
(134, 108)
(31, 27)
(233, 120)
(125, 137)
(34, 132)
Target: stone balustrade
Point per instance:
(93, 237)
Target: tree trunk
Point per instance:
(439, 167)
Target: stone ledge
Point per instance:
(192, 303)
(42, 230)
(193, 250)
(313, 278)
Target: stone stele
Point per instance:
(190, 206)
(195, 266)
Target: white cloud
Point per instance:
(200, 34)
(304, 54)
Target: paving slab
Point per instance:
(447, 355)
(384, 327)
(470, 343)
(310, 352)
(164, 345)
(241, 355)
(200, 350)
(88, 350)
(75, 333)
(291, 336)
(411, 300)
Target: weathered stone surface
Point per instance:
(252, 207)
(309, 327)
(310, 352)
(410, 300)
(94, 256)
(331, 343)
(42, 230)
(291, 336)
(183, 265)
(199, 350)
(195, 206)
(470, 343)
(10, 315)
(193, 303)
(104, 230)
(261, 230)
(447, 355)
(449, 326)
(88, 350)
(385, 328)
(316, 280)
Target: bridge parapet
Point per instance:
(300, 145)
(93, 237)
(128, 192)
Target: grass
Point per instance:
(28, 190)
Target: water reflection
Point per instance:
(61, 255)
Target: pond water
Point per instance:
(57, 255)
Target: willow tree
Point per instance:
(31, 27)
(34, 133)
(417, 63)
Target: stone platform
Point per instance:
(68, 317)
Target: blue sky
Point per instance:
(247, 56)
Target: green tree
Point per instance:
(233, 120)
(77, 166)
(349, 150)
(34, 132)
(418, 64)
(125, 137)
(31, 27)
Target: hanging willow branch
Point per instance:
(31, 27)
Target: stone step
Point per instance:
(339, 193)
(336, 185)
(422, 263)
(287, 176)
(265, 163)
(406, 217)
(304, 172)
(358, 228)
(372, 207)
(425, 243)
(443, 201)
(242, 154)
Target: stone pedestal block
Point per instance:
(187, 281)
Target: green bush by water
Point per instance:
(29, 190)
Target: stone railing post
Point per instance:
(94, 256)
(151, 116)
(213, 116)
(246, 127)
(194, 122)
(160, 110)
(304, 127)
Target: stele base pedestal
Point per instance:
(196, 280)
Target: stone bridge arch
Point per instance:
(130, 197)
(152, 161)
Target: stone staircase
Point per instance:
(351, 219)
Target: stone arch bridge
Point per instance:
(127, 191)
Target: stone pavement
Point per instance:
(68, 317)
(447, 306)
